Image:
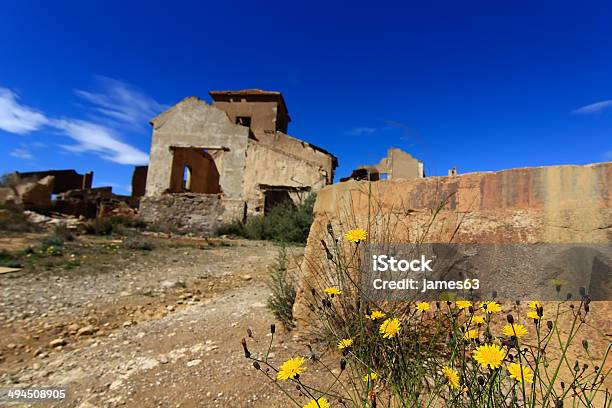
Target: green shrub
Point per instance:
(9, 260)
(113, 225)
(52, 240)
(61, 230)
(98, 226)
(139, 243)
(234, 228)
(12, 219)
(285, 222)
(52, 245)
(282, 298)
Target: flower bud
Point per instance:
(256, 365)
(247, 353)
(569, 296)
(272, 328)
(510, 319)
(550, 325)
(585, 344)
(342, 364)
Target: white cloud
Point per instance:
(132, 108)
(122, 103)
(596, 107)
(17, 118)
(360, 131)
(99, 139)
(22, 154)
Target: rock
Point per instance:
(168, 284)
(194, 363)
(163, 360)
(246, 277)
(86, 331)
(57, 342)
(73, 328)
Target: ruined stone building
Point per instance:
(212, 164)
(397, 165)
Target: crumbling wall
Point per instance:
(139, 181)
(194, 124)
(306, 152)
(268, 166)
(557, 204)
(64, 180)
(191, 212)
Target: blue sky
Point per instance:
(476, 85)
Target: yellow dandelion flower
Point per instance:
(452, 376)
(290, 368)
(534, 315)
(422, 306)
(490, 307)
(470, 334)
(390, 328)
(345, 343)
(489, 355)
(517, 330)
(319, 403)
(370, 377)
(376, 314)
(332, 291)
(356, 235)
(463, 304)
(520, 372)
(478, 319)
(534, 304)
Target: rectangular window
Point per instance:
(244, 121)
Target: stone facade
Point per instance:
(191, 212)
(557, 204)
(235, 150)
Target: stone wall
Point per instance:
(192, 123)
(267, 165)
(203, 213)
(557, 204)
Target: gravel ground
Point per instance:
(154, 328)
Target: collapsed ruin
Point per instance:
(62, 191)
(397, 165)
(212, 164)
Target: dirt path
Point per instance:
(162, 328)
